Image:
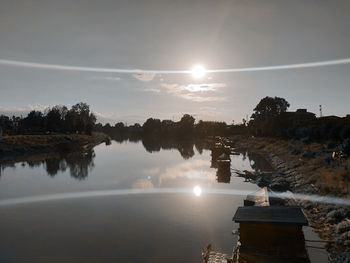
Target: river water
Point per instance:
(126, 202)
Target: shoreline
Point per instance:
(301, 168)
(19, 148)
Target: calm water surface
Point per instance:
(145, 227)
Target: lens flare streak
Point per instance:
(35, 65)
(121, 192)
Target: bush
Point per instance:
(345, 132)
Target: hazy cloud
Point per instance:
(21, 110)
(111, 78)
(152, 171)
(195, 169)
(143, 184)
(195, 92)
(209, 112)
(145, 76)
(201, 98)
(113, 118)
(152, 90)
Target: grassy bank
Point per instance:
(309, 169)
(19, 147)
(312, 162)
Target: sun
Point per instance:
(198, 71)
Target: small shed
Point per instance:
(271, 232)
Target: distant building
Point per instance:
(297, 118)
(274, 125)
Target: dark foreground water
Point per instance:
(121, 203)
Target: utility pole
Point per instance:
(320, 111)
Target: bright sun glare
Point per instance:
(198, 71)
(197, 190)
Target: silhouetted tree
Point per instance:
(34, 121)
(55, 118)
(80, 119)
(270, 107)
(5, 122)
(210, 128)
(119, 126)
(186, 125)
(152, 126)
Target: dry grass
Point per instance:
(41, 140)
(334, 178)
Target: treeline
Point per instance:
(271, 118)
(58, 119)
(185, 128)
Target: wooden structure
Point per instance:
(269, 234)
(220, 159)
(218, 149)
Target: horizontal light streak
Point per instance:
(34, 65)
(124, 192)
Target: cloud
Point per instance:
(143, 184)
(113, 118)
(195, 92)
(21, 110)
(152, 171)
(145, 76)
(195, 98)
(209, 112)
(152, 90)
(195, 169)
(104, 118)
(110, 78)
(203, 87)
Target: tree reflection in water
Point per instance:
(4, 166)
(185, 147)
(155, 144)
(78, 163)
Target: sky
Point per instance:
(173, 35)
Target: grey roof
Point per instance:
(289, 215)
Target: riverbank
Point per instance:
(308, 169)
(20, 147)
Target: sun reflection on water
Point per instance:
(197, 190)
